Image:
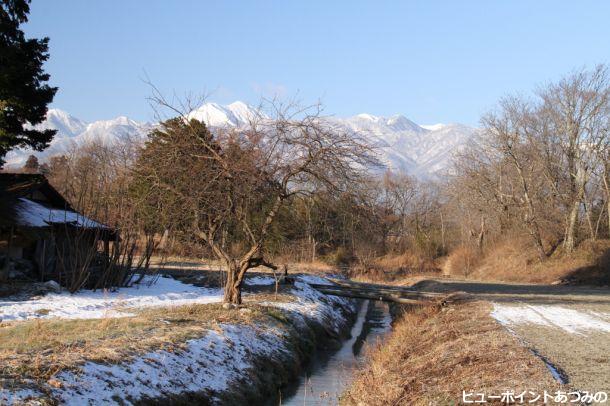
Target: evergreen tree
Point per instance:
(24, 93)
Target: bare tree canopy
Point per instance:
(542, 163)
(235, 181)
(290, 186)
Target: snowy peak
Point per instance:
(236, 114)
(108, 131)
(368, 117)
(432, 127)
(72, 132)
(377, 125)
(120, 121)
(423, 151)
(64, 123)
(401, 123)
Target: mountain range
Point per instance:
(423, 151)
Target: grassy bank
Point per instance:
(200, 353)
(511, 259)
(514, 260)
(433, 354)
(58, 344)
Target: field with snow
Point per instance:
(180, 349)
(151, 292)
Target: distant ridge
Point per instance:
(423, 151)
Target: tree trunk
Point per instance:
(530, 216)
(570, 241)
(607, 188)
(599, 220)
(233, 288)
(442, 233)
(578, 196)
(587, 208)
(535, 234)
(481, 235)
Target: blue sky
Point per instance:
(432, 61)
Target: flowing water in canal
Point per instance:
(329, 373)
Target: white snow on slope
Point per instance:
(65, 124)
(423, 151)
(570, 320)
(312, 303)
(432, 127)
(405, 146)
(87, 304)
(73, 132)
(207, 365)
(237, 114)
(260, 280)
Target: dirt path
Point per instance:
(567, 325)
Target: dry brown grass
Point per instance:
(39, 348)
(395, 269)
(514, 260)
(178, 262)
(190, 264)
(461, 262)
(407, 261)
(315, 267)
(433, 354)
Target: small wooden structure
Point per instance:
(38, 226)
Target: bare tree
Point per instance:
(540, 164)
(577, 108)
(511, 133)
(396, 195)
(234, 182)
(31, 165)
(96, 179)
(606, 183)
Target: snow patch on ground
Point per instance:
(316, 305)
(86, 304)
(17, 396)
(570, 320)
(315, 280)
(205, 365)
(260, 281)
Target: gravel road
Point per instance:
(569, 326)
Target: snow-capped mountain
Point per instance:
(65, 124)
(421, 150)
(236, 114)
(72, 132)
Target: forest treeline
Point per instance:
(290, 187)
